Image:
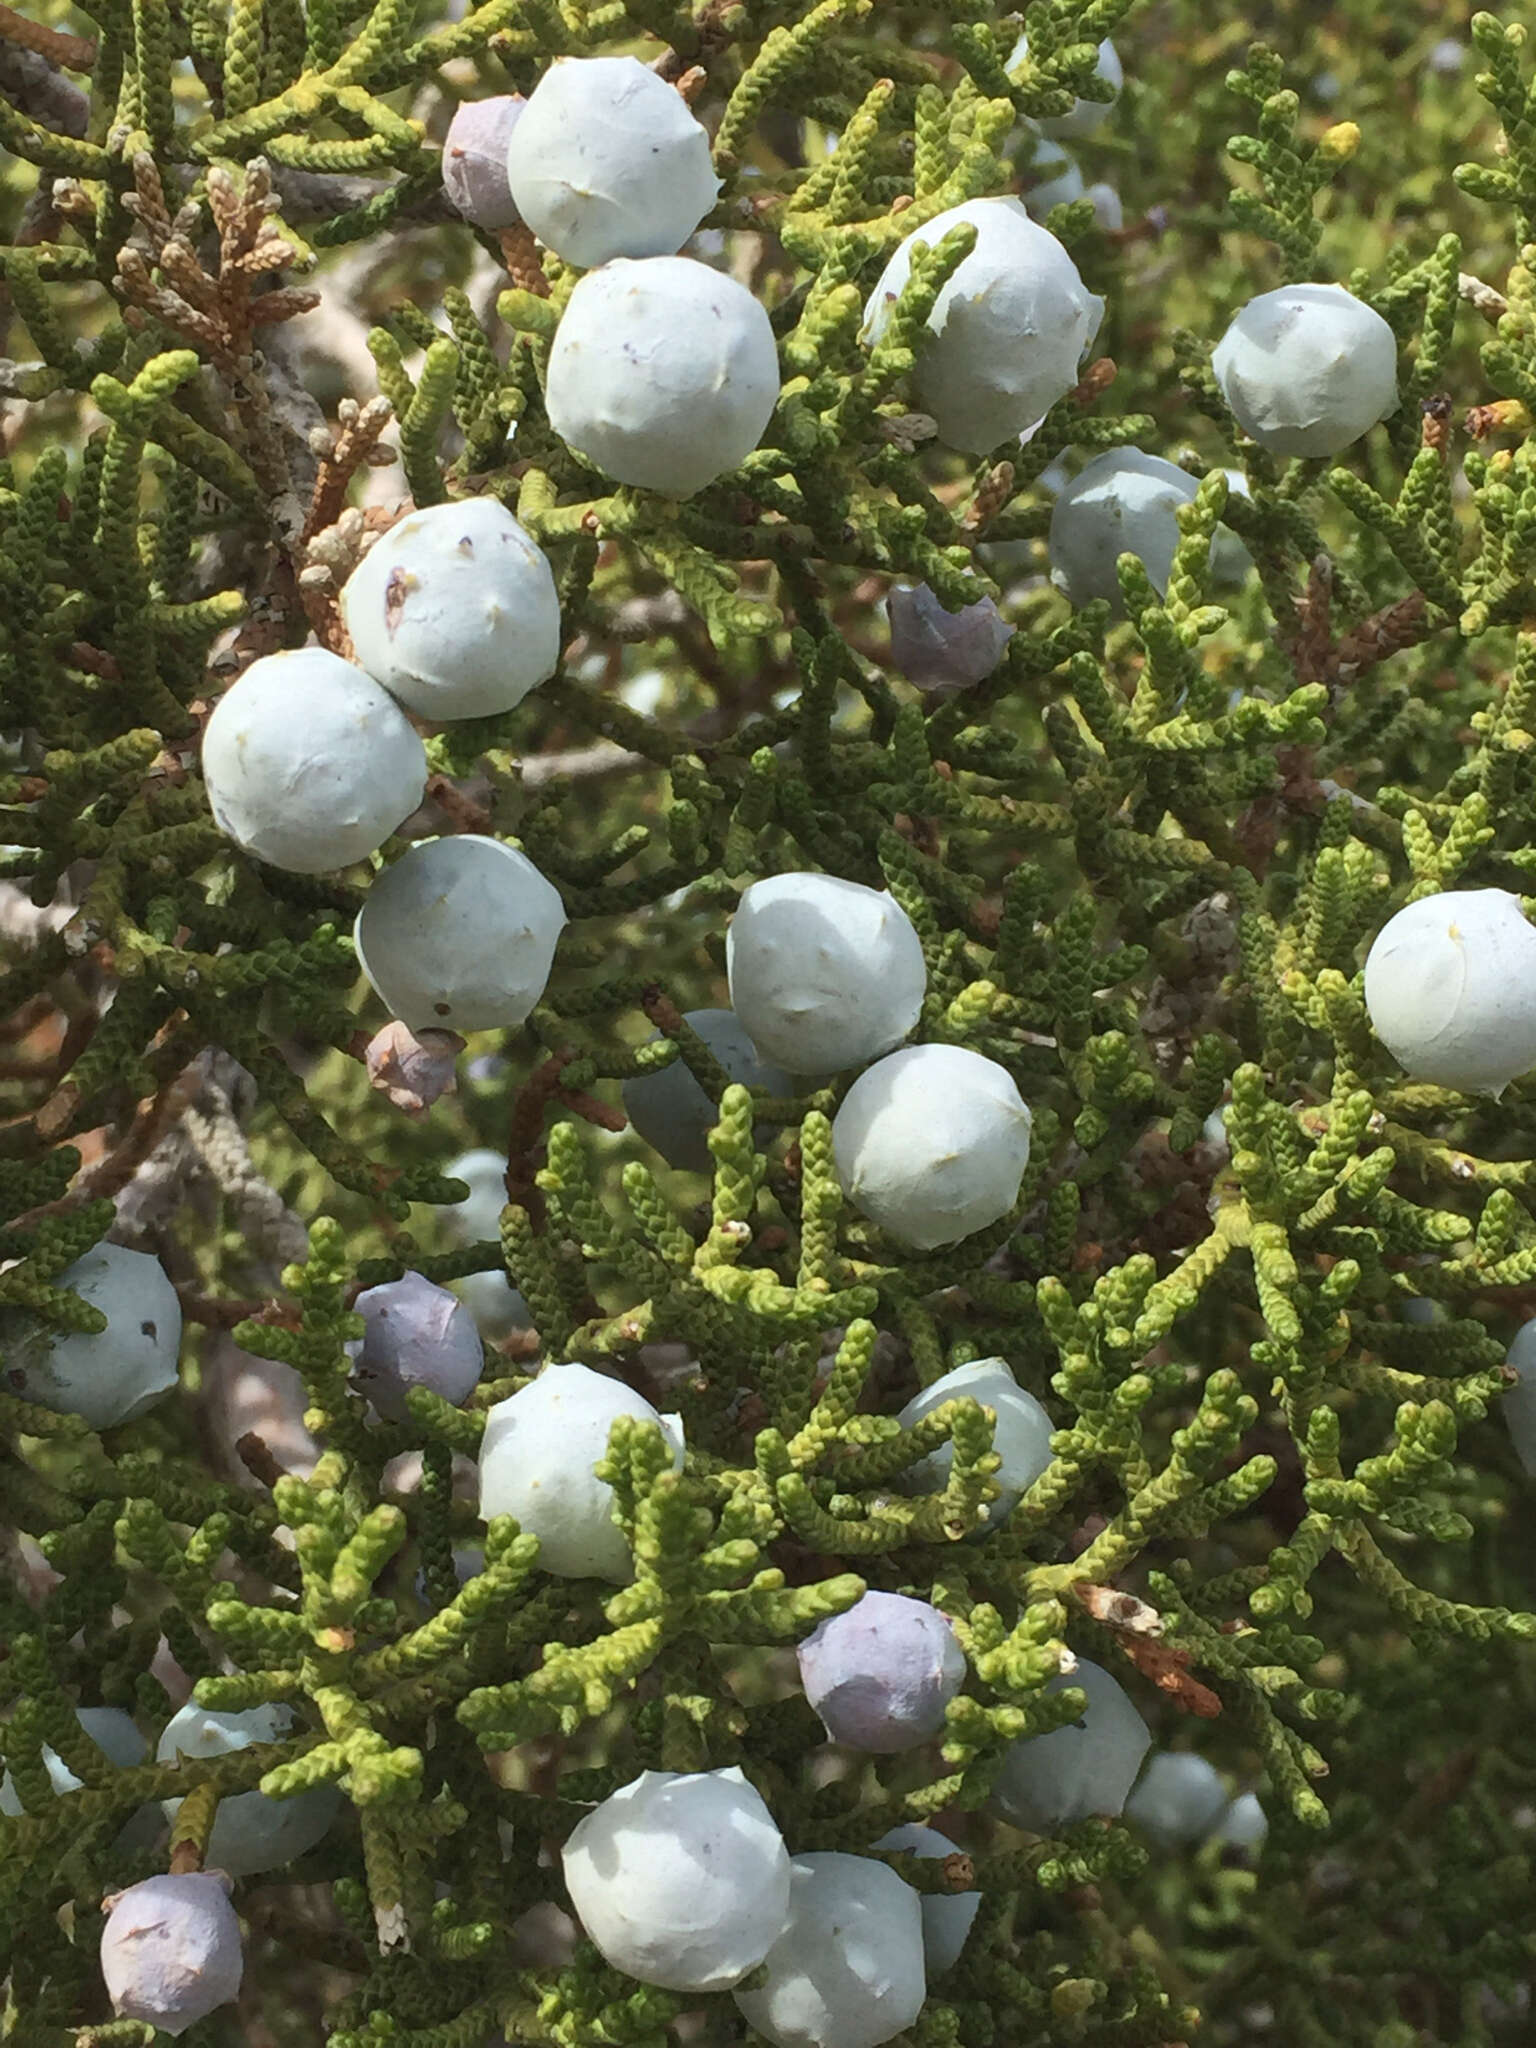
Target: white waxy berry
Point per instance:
(1049, 1781)
(251, 1832)
(1021, 1436)
(495, 1304)
(171, 1950)
(823, 973)
(416, 1335)
(536, 1462)
(308, 763)
(663, 372)
(459, 934)
(1008, 329)
(114, 1375)
(475, 160)
(1178, 1799)
(1124, 502)
(1307, 369)
(490, 1297)
(1244, 1825)
(680, 1878)
(1518, 1404)
(1108, 207)
(947, 1916)
(941, 650)
(454, 610)
(669, 1109)
(478, 1216)
(1084, 115)
(847, 1971)
(113, 1733)
(1230, 559)
(608, 161)
(1450, 985)
(881, 1674)
(1055, 180)
(931, 1143)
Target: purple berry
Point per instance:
(170, 1951)
(881, 1674)
(416, 1335)
(475, 160)
(942, 650)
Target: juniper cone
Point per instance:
(1123, 502)
(824, 973)
(1084, 115)
(252, 1831)
(1085, 1765)
(947, 1921)
(171, 1951)
(415, 1334)
(308, 764)
(528, 527)
(116, 1362)
(668, 1107)
(608, 161)
(882, 1674)
(474, 160)
(1178, 1799)
(681, 1879)
(454, 611)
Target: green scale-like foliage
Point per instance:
(1144, 858)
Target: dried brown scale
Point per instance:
(520, 253)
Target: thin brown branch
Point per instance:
(72, 53)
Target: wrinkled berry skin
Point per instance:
(459, 934)
(417, 1335)
(940, 650)
(848, 1971)
(1307, 369)
(251, 1832)
(171, 1950)
(931, 1143)
(681, 1878)
(475, 161)
(1021, 1435)
(975, 380)
(610, 162)
(1124, 502)
(1450, 988)
(309, 763)
(454, 610)
(881, 1674)
(824, 973)
(664, 372)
